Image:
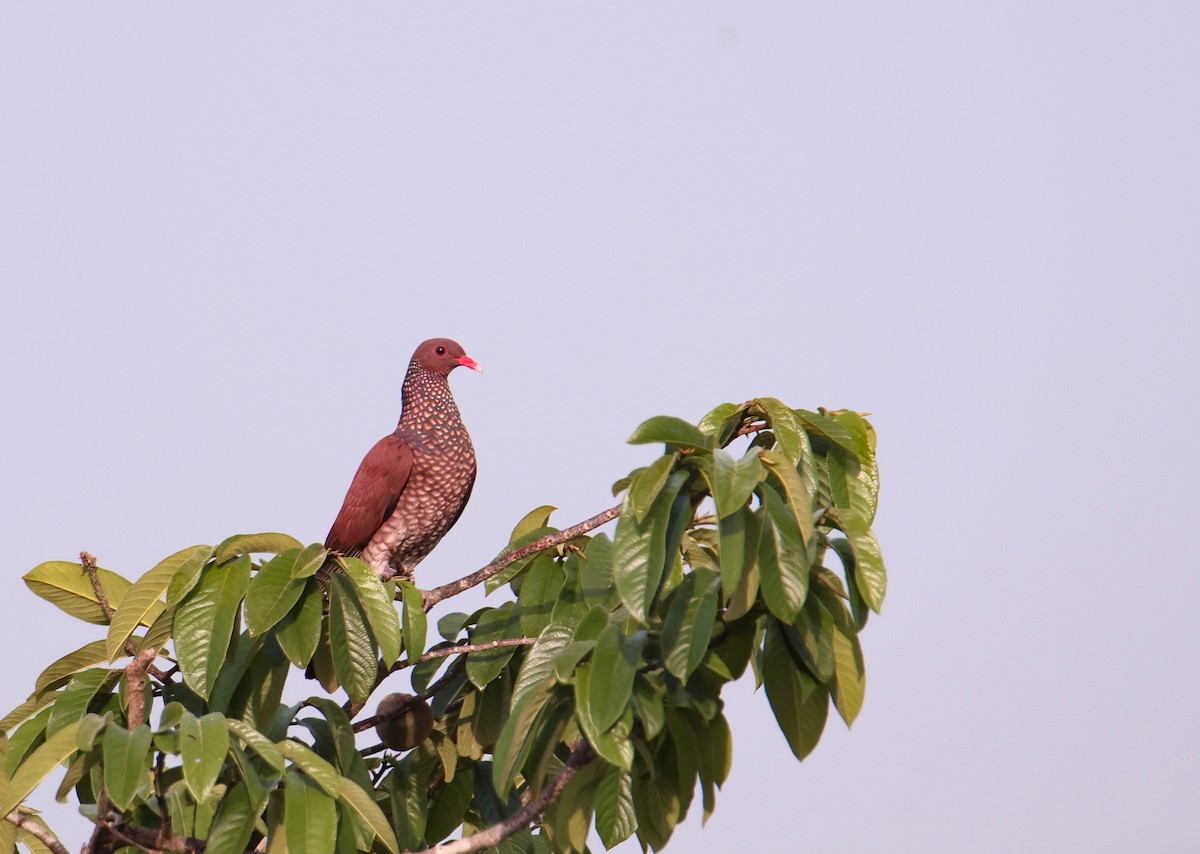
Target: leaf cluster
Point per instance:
(721, 562)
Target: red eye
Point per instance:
(441, 351)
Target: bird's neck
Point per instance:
(428, 404)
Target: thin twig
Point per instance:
(580, 756)
(448, 651)
(437, 594)
(449, 676)
(89, 566)
(38, 830)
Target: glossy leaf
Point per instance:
(450, 804)
(732, 481)
(614, 662)
(850, 682)
(689, 623)
(671, 430)
(647, 483)
(325, 775)
(534, 520)
(23, 780)
(795, 491)
(272, 592)
(377, 598)
(310, 816)
(234, 822)
(257, 742)
(721, 422)
(801, 706)
(68, 587)
(142, 603)
(640, 549)
(125, 762)
(300, 630)
(203, 743)
(309, 561)
(355, 659)
(485, 665)
(247, 544)
(832, 431)
(783, 559)
(540, 591)
(204, 623)
(513, 744)
(538, 666)
(786, 426)
(87, 656)
(615, 817)
(72, 704)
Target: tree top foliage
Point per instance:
(591, 697)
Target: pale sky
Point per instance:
(224, 229)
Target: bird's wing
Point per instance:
(372, 495)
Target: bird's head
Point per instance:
(442, 355)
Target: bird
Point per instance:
(412, 486)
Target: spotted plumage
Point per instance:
(412, 486)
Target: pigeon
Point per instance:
(412, 486)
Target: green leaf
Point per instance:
(24, 779)
(248, 544)
(299, 632)
(203, 743)
(310, 816)
(689, 624)
(309, 561)
(159, 632)
(850, 682)
(87, 656)
(376, 597)
(801, 706)
(416, 621)
(573, 811)
(614, 662)
(640, 556)
(485, 665)
(142, 603)
(538, 666)
(410, 802)
(647, 483)
(355, 659)
(722, 421)
(72, 704)
(513, 744)
(540, 590)
(782, 559)
(732, 481)
(68, 587)
(125, 762)
(535, 519)
(799, 500)
(325, 775)
(615, 818)
(204, 623)
(869, 572)
(272, 592)
(450, 805)
(234, 822)
(257, 742)
(671, 430)
(596, 573)
(363, 805)
(786, 426)
(832, 431)
(30, 707)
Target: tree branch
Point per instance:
(38, 830)
(580, 756)
(135, 686)
(437, 594)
